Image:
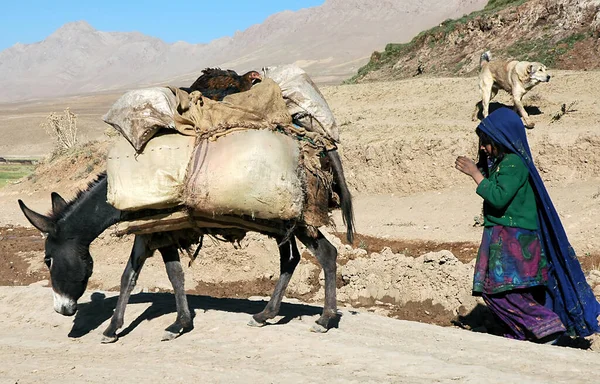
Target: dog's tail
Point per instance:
(485, 58)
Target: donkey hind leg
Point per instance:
(183, 323)
(139, 253)
(289, 258)
(326, 254)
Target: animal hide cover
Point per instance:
(304, 100)
(140, 113)
(152, 179)
(253, 172)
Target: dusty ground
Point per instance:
(413, 258)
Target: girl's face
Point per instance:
(489, 150)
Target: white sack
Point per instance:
(252, 172)
(138, 114)
(303, 98)
(152, 179)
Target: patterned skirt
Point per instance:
(509, 258)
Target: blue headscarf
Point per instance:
(568, 293)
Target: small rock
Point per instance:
(595, 273)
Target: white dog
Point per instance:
(515, 77)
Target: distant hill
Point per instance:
(563, 34)
(330, 41)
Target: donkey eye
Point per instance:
(48, 262)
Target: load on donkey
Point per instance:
(263, 160)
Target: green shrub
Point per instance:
(495, 5)
(544, 49)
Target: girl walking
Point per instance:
(526, 271)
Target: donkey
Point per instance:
(72, 226)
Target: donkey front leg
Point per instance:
(326, 254)
(289, 258)
(139, 253)
(183, 323)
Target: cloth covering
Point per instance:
(569, 294)
(524, 316)
(262, 107)
(509, 258)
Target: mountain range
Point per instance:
(330, 41)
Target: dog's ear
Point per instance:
(530, 69)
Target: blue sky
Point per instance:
(194, 21)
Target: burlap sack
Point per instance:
(251, 172)
(152, 179)
(260, 107)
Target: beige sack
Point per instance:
(152, 179)
(138, 114)
(304, 100)
(252, 172)
(261, 107)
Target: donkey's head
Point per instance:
(67, 255)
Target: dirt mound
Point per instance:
(395, 278)
(69, 171)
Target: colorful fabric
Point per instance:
(568, 293)
(508, 196)
(509, 258)
(525, 317)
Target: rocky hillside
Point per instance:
(563, 34)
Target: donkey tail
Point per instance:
(344, 192)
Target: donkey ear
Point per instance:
(41, 222)
(58, 203)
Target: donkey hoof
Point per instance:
(318, 328)
(168, 336)
(109, 339)
(256, 324)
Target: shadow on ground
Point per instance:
(494, 105)
(92, 314)
(481, 319)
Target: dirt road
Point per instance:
(35, 347)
